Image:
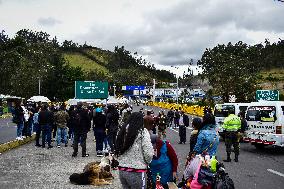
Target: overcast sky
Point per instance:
(166, 32)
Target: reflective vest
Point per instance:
(232, 123)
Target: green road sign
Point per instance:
(91, 90)
(269, 95)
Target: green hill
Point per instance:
(272, 79)
(120, 66)
(79, 60)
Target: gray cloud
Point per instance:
(49, 21)
(174, 35)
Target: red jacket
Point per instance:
(170, 152)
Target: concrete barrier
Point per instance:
(15, 143)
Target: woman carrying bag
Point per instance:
(134, 152)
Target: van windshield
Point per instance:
(261, 113)
(222, 110)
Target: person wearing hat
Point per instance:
(164, 162)
(99, 127)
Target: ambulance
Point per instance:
(221, 112)
(265, 121)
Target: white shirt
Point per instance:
(181, 120)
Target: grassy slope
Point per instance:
(79, 60)
(102, 55)
(275, 73)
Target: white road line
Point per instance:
(275, 172)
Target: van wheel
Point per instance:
(259, 146)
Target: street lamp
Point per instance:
(39, 86)
(177, 82)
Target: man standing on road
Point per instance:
(99, 127)
(176, 118)
(61, 118)
(45, 119)
(170, 116)
(112, 119)
(19, 119)
(183, 123)
(232, 127)
(82, 126)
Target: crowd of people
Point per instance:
(138, 141)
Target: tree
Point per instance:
(232, 69)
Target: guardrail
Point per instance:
(192, 110)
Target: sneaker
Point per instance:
(18, 138)
(38, 145)
(58, 146)
(85, 155)
(100, 154)
(23, 137)
(66, 145)
(49, 147)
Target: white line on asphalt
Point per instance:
(275, 172)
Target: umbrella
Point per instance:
(38, 99)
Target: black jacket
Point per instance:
(185, 120)
(99, 121)
(112, 121)
(82, 121)
(45, 117)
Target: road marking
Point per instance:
(275, 172)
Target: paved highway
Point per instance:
(37, 167)
(7, 130)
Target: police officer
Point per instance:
(232, 127)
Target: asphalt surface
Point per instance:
(8, 130)
(32, 167)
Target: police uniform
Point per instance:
(232, 126)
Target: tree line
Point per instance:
(235, 69)
(31, 56)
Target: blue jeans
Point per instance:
(30, 128)
(20, 127)
(61, 133)
(46, 134)
(37, 129)
(100, 136)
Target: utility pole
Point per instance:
(177, 88)
(154, 87)
(39, 86)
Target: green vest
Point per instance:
(232, 123)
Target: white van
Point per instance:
(265, 123)
(221, 112)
